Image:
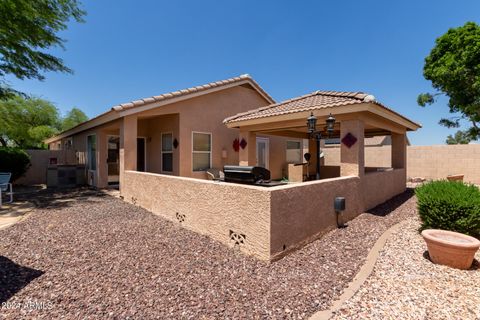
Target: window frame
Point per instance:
(162, 152)
(300, 148)
(210, 152)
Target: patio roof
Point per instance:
(335, 102)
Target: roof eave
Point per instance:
(117, 112)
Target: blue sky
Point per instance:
(134, 49)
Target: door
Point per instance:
(167, 152)
(263, 152)
(141, 154)
(113, 159)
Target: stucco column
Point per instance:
(128, 146)
(352, 159)
(399, 150)
(248, 155)
(102, 170)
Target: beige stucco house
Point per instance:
(158, 149)
(179, 133)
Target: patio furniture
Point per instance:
(5, 186)
(215, 174)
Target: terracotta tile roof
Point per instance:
(184, 92)
(313, 101)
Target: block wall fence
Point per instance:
(429, 162)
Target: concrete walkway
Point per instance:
(11, 213)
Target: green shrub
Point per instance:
(449, 205)
(15, 161)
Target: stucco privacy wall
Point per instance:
(207, 207)
(430, 162)
(378, 187)
(274, 220)
(302, 212)
(39, 160)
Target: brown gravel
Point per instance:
(88, 255)
(406, 285)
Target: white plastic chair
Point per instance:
(5, 186)
(215, 174)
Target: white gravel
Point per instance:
(406, 285)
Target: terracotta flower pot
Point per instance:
(449, 248)
(455, 177)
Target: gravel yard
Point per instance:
(88, 255)
(406, 285)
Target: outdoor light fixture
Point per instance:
(330, 124)
(311, 123)
(312, 127)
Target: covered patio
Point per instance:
(270, 222)
(357, 116)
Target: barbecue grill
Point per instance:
(246, 175)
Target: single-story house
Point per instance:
(159, 148)
(178, 133)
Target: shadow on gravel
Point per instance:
(391, 205)
(61, 198)
(475, 264)
(14, 277)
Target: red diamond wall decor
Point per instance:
(349, 140)
(236, 145)
(243, 143)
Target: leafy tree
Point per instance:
(453, 67)
(26, 122)
(73, 118)
(27, 29)
(460, 137)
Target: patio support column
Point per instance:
(312, 149)
(248, 156)
(399, 150)
(128, 146)
(352, 160)
(102, 174)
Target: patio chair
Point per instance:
(215, 174)
(5, 186)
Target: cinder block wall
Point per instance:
(430, 162)
(437, 162)
(40, 160)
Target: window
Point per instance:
(68, 143)
(294, 151)
(92, 152)
(201, 151)
(167, 152)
